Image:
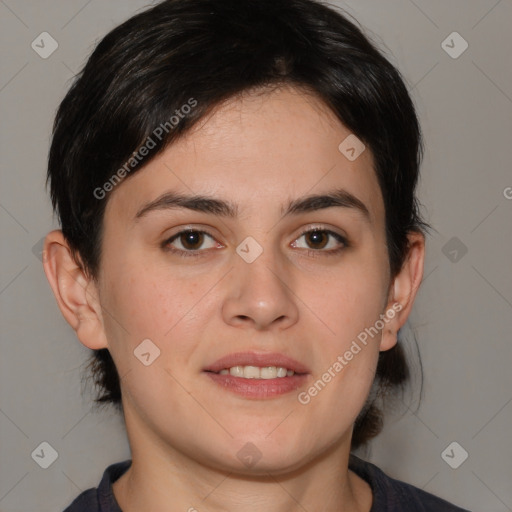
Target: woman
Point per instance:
(240, 247)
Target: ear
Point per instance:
(403, 290)
(76, 294)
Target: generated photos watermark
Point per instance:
(305, 397)
(144, 149)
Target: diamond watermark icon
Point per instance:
(249, 454)
(146, 352)
(454, 455)
(454, 249)
(37, 249)
(45, 455)
(351, 147)
(249, 249)
(44, 45)
(454, 45)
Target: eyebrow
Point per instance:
(206, 204)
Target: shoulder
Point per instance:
(101, 498)
(87, 501)
(394, 495)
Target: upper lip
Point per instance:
(257, 359)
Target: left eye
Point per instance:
(322, 239)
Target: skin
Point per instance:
(258, 152)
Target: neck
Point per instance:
(162, 478)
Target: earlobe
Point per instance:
(75, 293)
(389, 334)
(404, 288)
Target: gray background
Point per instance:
(463, 315)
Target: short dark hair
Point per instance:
(204, 52)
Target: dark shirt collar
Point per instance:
(106, 498)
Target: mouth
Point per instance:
(255, 372)
(254, 375)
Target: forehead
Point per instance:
(257, 150)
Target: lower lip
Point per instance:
(259, 388)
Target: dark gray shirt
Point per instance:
(389, 495)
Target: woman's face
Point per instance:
(251, 282)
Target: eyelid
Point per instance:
(180, 252)
(189, 228)
(321, 227)
(342, 239)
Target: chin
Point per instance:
(261, 455)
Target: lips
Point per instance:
(257, 359)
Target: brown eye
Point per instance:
(191, 239)
(190, 242)
(321, 241)
(317, 239)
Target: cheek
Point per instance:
(147, 324)
(349, 305)
(156, 303)
(348, 302)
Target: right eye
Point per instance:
(189, 242)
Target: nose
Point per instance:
(260, 295)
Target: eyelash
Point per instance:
(310, 252)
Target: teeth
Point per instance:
(283, 372)
(254, 372)
(251, 372)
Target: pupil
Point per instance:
(317, 236)
(192, 239)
